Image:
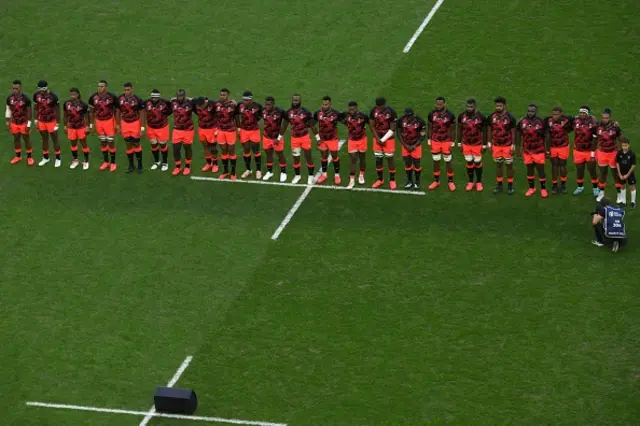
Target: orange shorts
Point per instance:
(268, 143)
(182, 136)
(158, 135)
(207, 135)
(359, 145)
(303, 142)
(47, 126)
(226, 137)
(501, 152)
(534, 158)
(249, 136)
(606, 158)
(389, 146)
(416, 153)
(331, 145)
(561, 152)
(130, 129)
(473, 150)
(106, 127)
(581, 157)
(75, 134)
(441, 147)
(19, 129)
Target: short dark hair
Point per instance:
(247, 93)
(74, 90)
(381, 101)
(557, 108)
(103, 82)
(181, 92)
(326, 98)
(441, 98)
(500, 100)
(471, 101)
(296, 94)
(17, 82)
(606, 111)
(155, 91)
(269, 99)
(532, 106)
(128, 84)
(225, 90)
(353, 103)
(199, 100)
(624, 139)
(585, 107)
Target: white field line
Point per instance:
(145, 413)
(173, 381)
(300, 200)
(422, 26)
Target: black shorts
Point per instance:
(631, 180)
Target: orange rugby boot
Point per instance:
(434, 185)
(30, 161)
(336, 180)
(214, 168)
(392, 184)
(479, 187)
(206, 167)
(377, 184)
(452, 186)
(176, 171)
(469, 187)
(223, 176)
(530, 192)
(544, 193)
(113, 167)
(233, 177)
(16, 160)
(322, 178)
(186, 171)
(104, 166)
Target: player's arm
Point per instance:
(85, 117)
(596, 219)
(372, 126)
(283, 126)
(423, 133)
(312, 126)
(7, 116)
(429, 129)
(65, 118)
(516, 138)
(116, 114)
(29, 113)
(452, 128)
(459, 125)
(392, 129)
(622, 176)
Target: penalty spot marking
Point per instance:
(146, 413)
(422, 26)
(171, 383)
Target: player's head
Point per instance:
(471, 106)
(624, 143)
(224, 94)
(381, 103)
(606, 116)
(43, 86)
(326, 103)
(532, 110)
(500, 103)
(181, 94)
(102, 86)
(74, 94)
(409, 114)
(269, 103)
(16, 88)
(296, 100)
(155, 96)
(200, 102)
(353, 107)
(128, 89)
(247, 97)
(584, 112)
(441, 103)
(557, 113)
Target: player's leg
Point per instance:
(593, 173)
(17, 148)
(408, 168)
(111, 142)
(137, 148)
(510, 174)
(542, 176)
(555, 169)
(85, 150)
(188, 157)
(335, 159)
(580, 167)
(311, 166)
(468, 157)
(602, 181)
(296, 152)
(363, 165)
(213, 150)
(324, 161)
(177, 156)
(531, 178)
(417, 169)
(74, 152)
(391, 164)
(130, 152)
(448, 157)
(45, 145)
(231, 150)
(224, 155)
(207, 151)
(246, 157)
(257, 155)
(436, 155)
(562, 170)
(155, 151)
(499, 175)
(53, 133)
(269, 174)
(477, 163)
(164, 152)
(353, 162)
(104, 147)
(282, 162)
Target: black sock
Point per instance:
(258, 158)
(478, 173)
(531, 181)
(324, 164)
(113, 157)
(105, 156)
(270, 167)
(595, 184)
(165, 156)
(470, 171)
(283, 169)
(139, 158)
(130, 157)
(74, 154)
(233, 165)
(247, 161)
(336, 166)
(418, 173)
(409, 175)
(156, 155)
(581, 184)
(379, 169)
(311, 169)
(392, 175)
(543, 183)
(225, 164)
(296, 170)
(86, 156)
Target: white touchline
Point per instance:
(300, 200)
(145, 413)
(422, 26)
(173, 381)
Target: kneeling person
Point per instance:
(608, 224)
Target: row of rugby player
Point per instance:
(221, 121)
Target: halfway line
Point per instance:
(422, 26)
(144, 413)
(173, 381)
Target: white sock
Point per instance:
(623, 195)
(633, 195)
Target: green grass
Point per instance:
(370, 309)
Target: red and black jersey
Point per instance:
(585, 131)
(501, 126)
(158, 113)
(250, 115)
(327, 123)
(411, 129)
(272, 122)
(356, 125)
(207, 116)
(533, 131)
(227, 112)
(18, 105)
(608, 135)
(559, 130)
(76, 112)
(300, 119)
(472, 127)
(182, 114)
(103, 105)
(441, 122)
(129, 107)
(46, 104)
(382, 119)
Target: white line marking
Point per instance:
(173, 381)
(422, 26)
(145, 413)
(292, 211)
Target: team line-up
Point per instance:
(221, 122)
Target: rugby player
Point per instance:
(102, 107)
(301, 120)
(47, 112)
(472, 140)
(76, 123)
(249, 114)
(412, 131)
(607, 133)
(530, 137)
(156, 120)
(272, 118)
(206, 112)
(558, 128)
(356, 122)
(501, 136)
(441, 135)
(129, 110)
(584, 149)
(183, 130)
(18, 121)
(326, 135)
(382, 119)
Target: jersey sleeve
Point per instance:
(56, 101)
(27, 101)
(423, 126)
(141, 103)
(430, 117)
(371, 113)
(484, 119)
(315, 115)
(85, 108)
(453, 117)
(394, 115)
(633, 158)
(512, 120)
